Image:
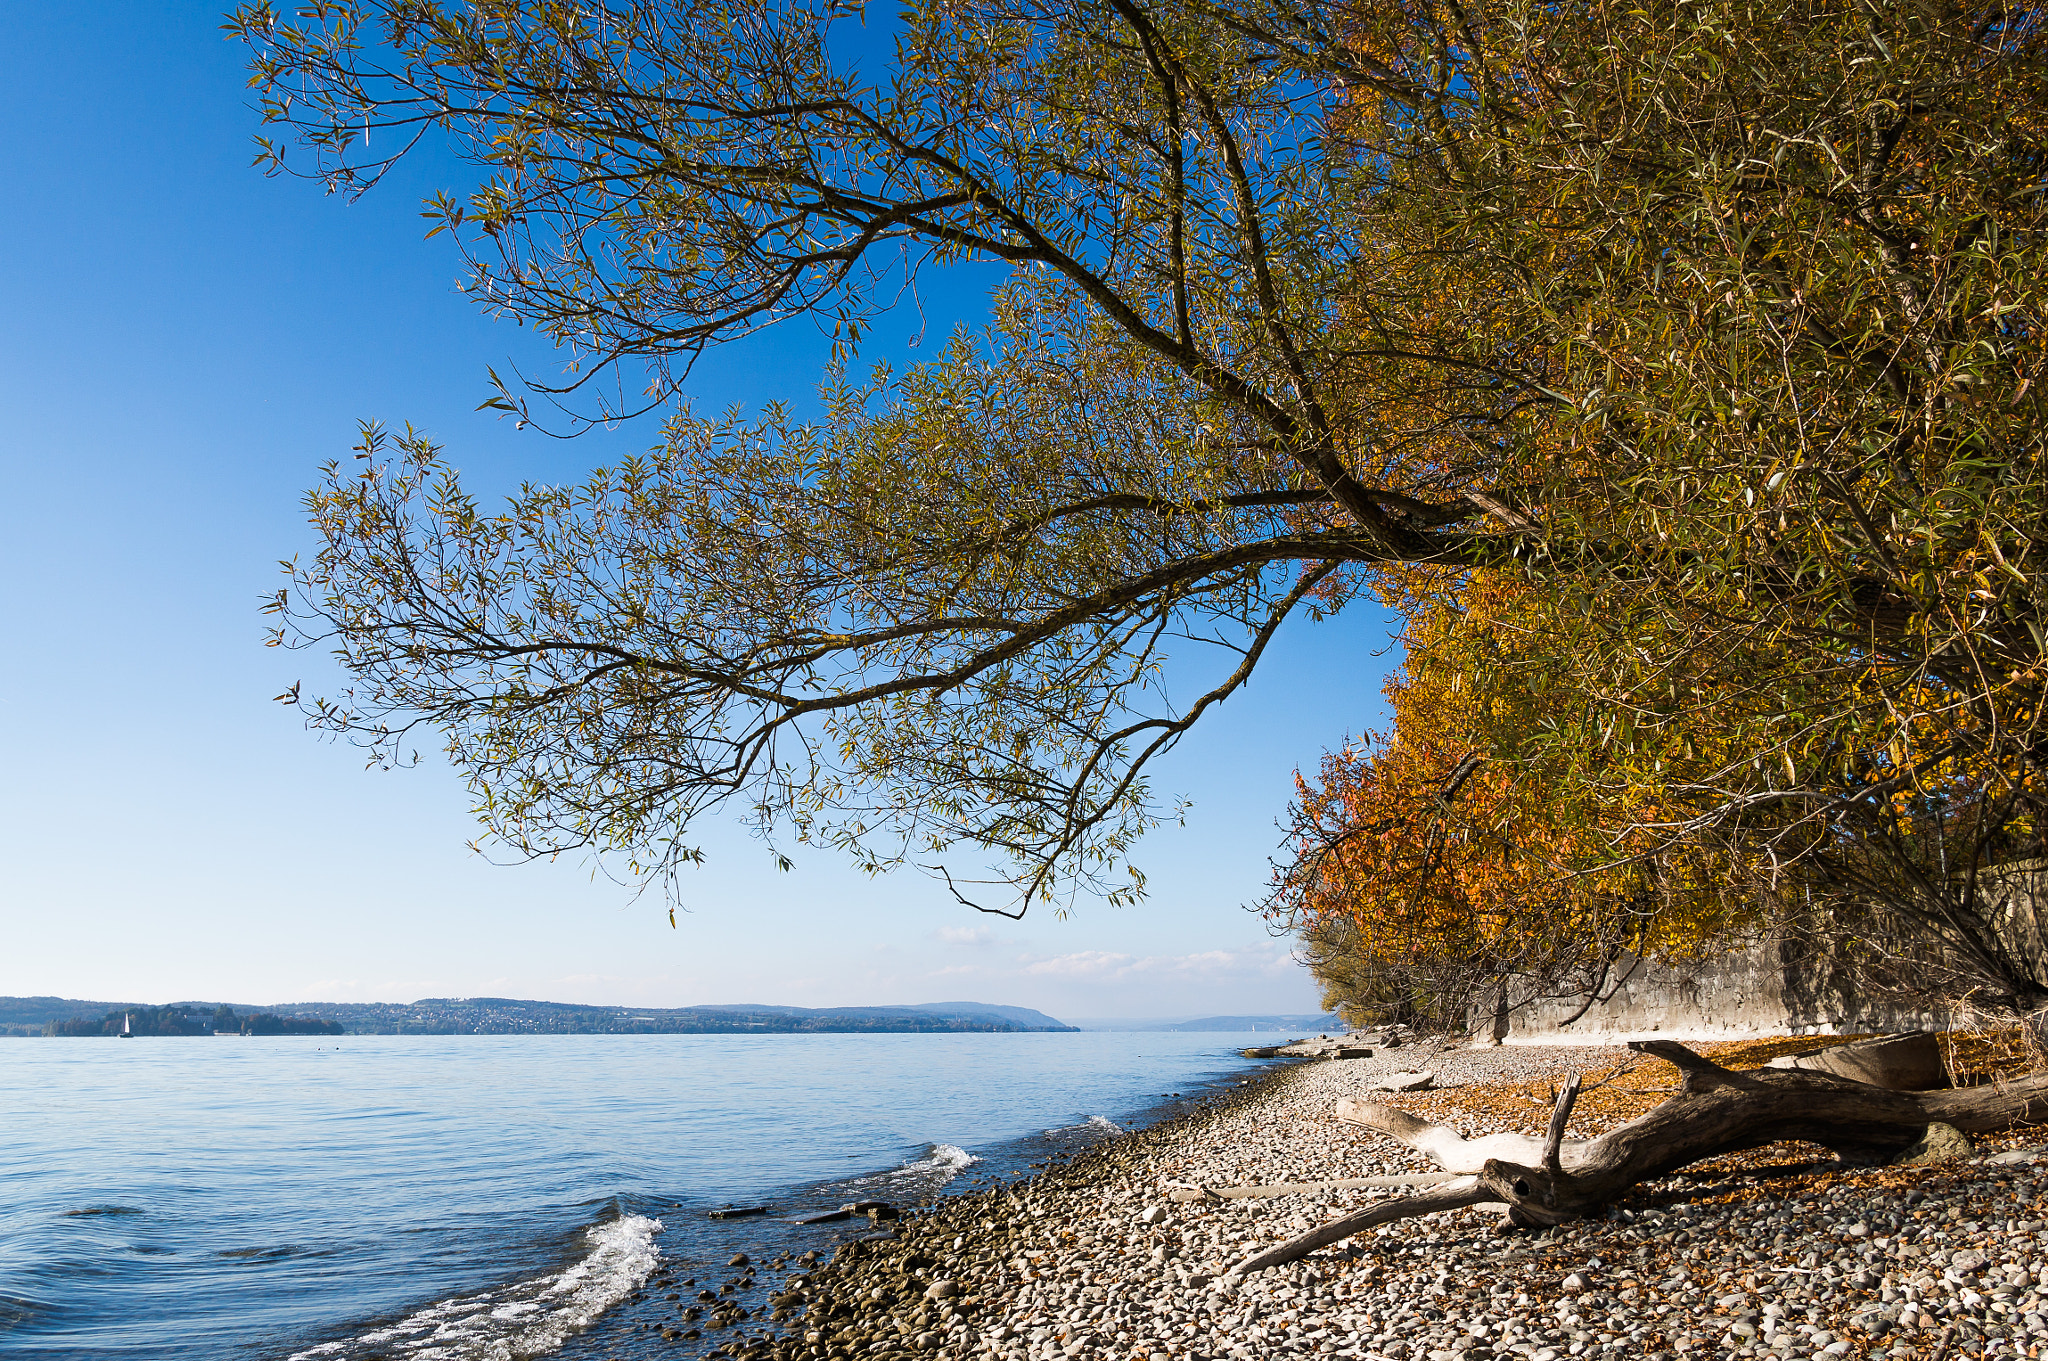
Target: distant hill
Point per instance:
(28, 1015)
(188, 1020)
(514, 1016)
(1312, 1023)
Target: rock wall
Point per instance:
(1766, 989)
(1775, 986)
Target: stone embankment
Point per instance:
(1777, 1253)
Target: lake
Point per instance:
(336, 1199)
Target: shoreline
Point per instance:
(657, 1320)
(1773, 1253)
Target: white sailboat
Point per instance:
(126, 1033)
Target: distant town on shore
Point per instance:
(72, 1017)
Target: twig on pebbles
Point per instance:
(1187, 1194)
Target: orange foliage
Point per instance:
(1434, 858)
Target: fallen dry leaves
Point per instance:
(1616, 1091)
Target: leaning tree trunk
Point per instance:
(1552, 1180)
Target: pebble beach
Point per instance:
(1780, 1252)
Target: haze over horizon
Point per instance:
(192, 341)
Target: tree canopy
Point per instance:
(1713, 325)
(1433, 860)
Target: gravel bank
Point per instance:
(1775, 1253)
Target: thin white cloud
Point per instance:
(973, 936)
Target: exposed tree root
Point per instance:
(1552, 1180)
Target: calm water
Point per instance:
(492, 1196)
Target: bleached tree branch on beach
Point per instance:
(1548, 1179)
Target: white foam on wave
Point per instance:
(1094, 1124)
(951, 1156)
(530, 1318)
(942, 1163)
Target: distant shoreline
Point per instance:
(425, 1033)
(73, 1017)
(22, 1017)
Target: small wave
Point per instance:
(527, 1319)
(19, 1309)
(940, 1164)
(948, 1157)
(275, 1253)
(1094, 1124)
(100, 1210)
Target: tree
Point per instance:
(1433, 862)
(1469, 843)
(1807, 399)
(1718, 326)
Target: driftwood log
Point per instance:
(1551, 1180)
(1904, 1063)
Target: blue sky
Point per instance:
(186, 342)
